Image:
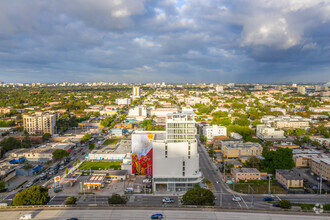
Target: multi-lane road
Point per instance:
(138, 214)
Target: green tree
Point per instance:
(75, 163)
(2, 185)
(285, 204)
(282, 158)
(117, 199)
(241, 122)
(256, 122)
(46, 136)
(71, 200)
(91, 146)
(198, 196)
(78, 161)
(254, 162)
(66, 171)
(34, 195)
(10, 144)
(144, 124)
(299, 132)
(60, 153)
(202, 138)
(86, 137)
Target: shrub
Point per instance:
(35, 195)
(71, 200)
(117, 199)
(285, 204)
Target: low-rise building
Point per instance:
(211, 131)
(278, 145)
(123, 101)
(266, 132)
(234, 151)
(119, 152)
(289, 179)
(247, 174)
(321, 166)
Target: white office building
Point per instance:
(268, 132)
(124, 101)
(175, 158)
(139, 113)
(210, 131)
(219, 88)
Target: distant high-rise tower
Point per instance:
(136, 92)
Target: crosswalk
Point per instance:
(211, 187)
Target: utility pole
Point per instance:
(269, 176)
(320, 184)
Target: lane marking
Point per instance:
(244, 201)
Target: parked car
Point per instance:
(168, 200)
(157, 216)
(276, 204)
(268, 199)
(129, 190)
(236, 199)
(29, 184)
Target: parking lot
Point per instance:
(311, 181)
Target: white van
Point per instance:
(26, 216)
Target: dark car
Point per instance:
(268, 199)
(157, 216)
(276, 204)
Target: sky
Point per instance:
(173, 41)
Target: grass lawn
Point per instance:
(100, 165)
(111, 141)
(259, 188)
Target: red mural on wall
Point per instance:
(142, 165)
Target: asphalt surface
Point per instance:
(115, 214)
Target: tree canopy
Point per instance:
(59, 153)
(279, 159)
(198, 196)
(117, 199)
(86, 137)
(34, 195)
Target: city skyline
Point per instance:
(167, 41)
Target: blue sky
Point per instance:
(210, 41)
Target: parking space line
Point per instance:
(278, 197)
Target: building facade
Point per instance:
(175, 158)
(40, 124)
(211, 131)
(289, 179)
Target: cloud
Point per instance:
(170, 40)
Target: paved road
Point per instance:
(145, 214)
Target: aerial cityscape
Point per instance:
(174, 109)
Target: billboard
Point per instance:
(142, 154)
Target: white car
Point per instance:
(26, 216)
(236, 199)
(29, 184)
